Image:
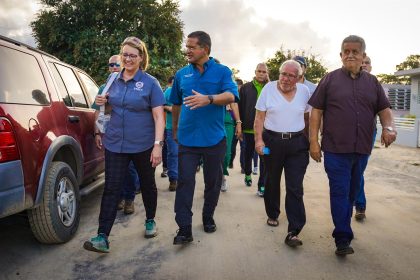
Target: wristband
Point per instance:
(160, 143)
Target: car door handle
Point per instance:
(74, 119)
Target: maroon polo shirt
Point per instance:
(349, 108)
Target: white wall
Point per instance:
(415, 99)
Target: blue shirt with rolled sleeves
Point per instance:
(204, 126)
(132, 127)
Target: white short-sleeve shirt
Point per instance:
(282, 115)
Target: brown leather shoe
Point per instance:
(360, 215)
(129, 207)
(121, 205)
(173, 185)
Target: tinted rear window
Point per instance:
(72, 86)
(90, 85)
(21, 79)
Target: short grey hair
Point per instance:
(261, 64)
(354, 39)
(294, 63)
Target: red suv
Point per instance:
(47, 143)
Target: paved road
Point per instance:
(386, 245)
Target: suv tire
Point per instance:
(57, 218)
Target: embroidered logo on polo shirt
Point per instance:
(139, 86)
(188, 75)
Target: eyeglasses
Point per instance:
(129, 55)
(114, 64)
(287, 75)
(261, 71)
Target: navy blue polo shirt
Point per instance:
(132, 127)
(202, 127)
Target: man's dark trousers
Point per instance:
(344, 173)
(290, 155)
(188, 160)
(249, 155)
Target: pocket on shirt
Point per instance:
(140, 102)
(209, 87)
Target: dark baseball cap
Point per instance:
(300, 59)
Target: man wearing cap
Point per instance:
(302, 62)
(347, 100)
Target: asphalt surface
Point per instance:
(386, 244)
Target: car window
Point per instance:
(21, 79)
(61, 87)
(72, 85)
(92, 88)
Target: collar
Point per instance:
(206, 64)
(255, 82)
(348, 73)
(136, 77)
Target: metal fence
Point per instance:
(408, 131)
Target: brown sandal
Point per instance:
(293, 240)
(272, 222)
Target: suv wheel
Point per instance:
(57, 218)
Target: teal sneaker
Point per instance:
(248, 180)
(99, 244)
(260, 192)
(150, 228)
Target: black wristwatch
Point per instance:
(210, 97)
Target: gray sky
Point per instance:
(245, 32)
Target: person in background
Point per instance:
(137, 100)
(235, 140)
(302, 79)
(233, 130)
(248, 96)
(171, 145)
(255, 160)
(281, 137)
(164, 172)
(132, 181)
(347, 100)
(203, 89)
(360, 202)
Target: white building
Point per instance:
(415, 89)
(408, 128)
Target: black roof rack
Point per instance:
(26, 46)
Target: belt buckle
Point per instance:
(288, 136)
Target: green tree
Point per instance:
(235, 73)
(86, 33)
(392, 79)
(314, 72)
(411, 62)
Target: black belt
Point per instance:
(284, 135)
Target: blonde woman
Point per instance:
(137, 102)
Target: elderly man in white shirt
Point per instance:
(281, 136)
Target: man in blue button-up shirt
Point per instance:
(199, 95)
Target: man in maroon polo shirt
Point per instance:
(347, 100)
